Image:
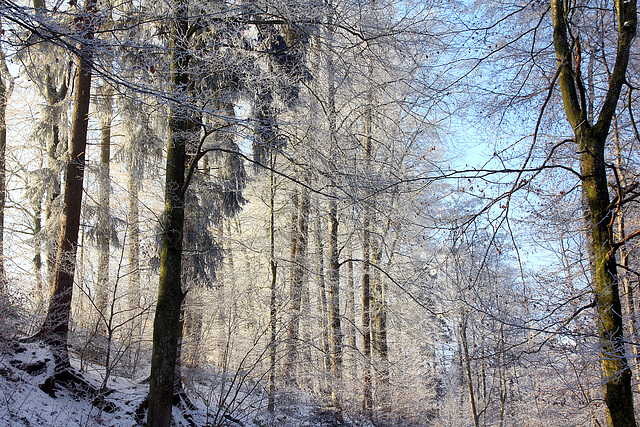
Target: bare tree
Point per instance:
(591, 139)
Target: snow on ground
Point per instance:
(24, 367)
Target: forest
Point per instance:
(319, 213)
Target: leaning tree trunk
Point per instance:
(591, 140)
(166, 326)
(56, 324)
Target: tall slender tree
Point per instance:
(103, 231)
(56, 325)
(6, 88)
(166, 327)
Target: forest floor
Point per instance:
(25, 367)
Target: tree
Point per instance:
(53, 82)
(56, 325)
(103, 232)
(591, 140)
(6, 87)
(299, 240)
(170, 295)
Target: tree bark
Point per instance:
(166, 327)
(295, 299)
(54, 98)
(367, 399)
(467, 369)
(103, 232)
(591, 140)
(350, 312)
(56, 325)
(273, 319)
(133, 254)
(627, 286)
(323, 309)
(4, 94)
(37, 247)
(379, 322)
(297, 278)
(133, 231)
(335, 330)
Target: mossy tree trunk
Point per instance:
(166, 327)
(591, 139)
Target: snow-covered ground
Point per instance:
(24, 368)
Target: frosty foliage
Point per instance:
(403, 127)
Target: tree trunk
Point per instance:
(295, 299)
(379, 321)
(591, 140)
(37, 247)
(6, 87)
(627, 286)
(133, 255)
(367, 399)
(335, 331)
(322, 307)
(103, 232)
(350, 312)
(166, 327)
(3, 146)
(299, 253)
(467, 369)
(56, 324)
(54, 98)
(273, 320)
